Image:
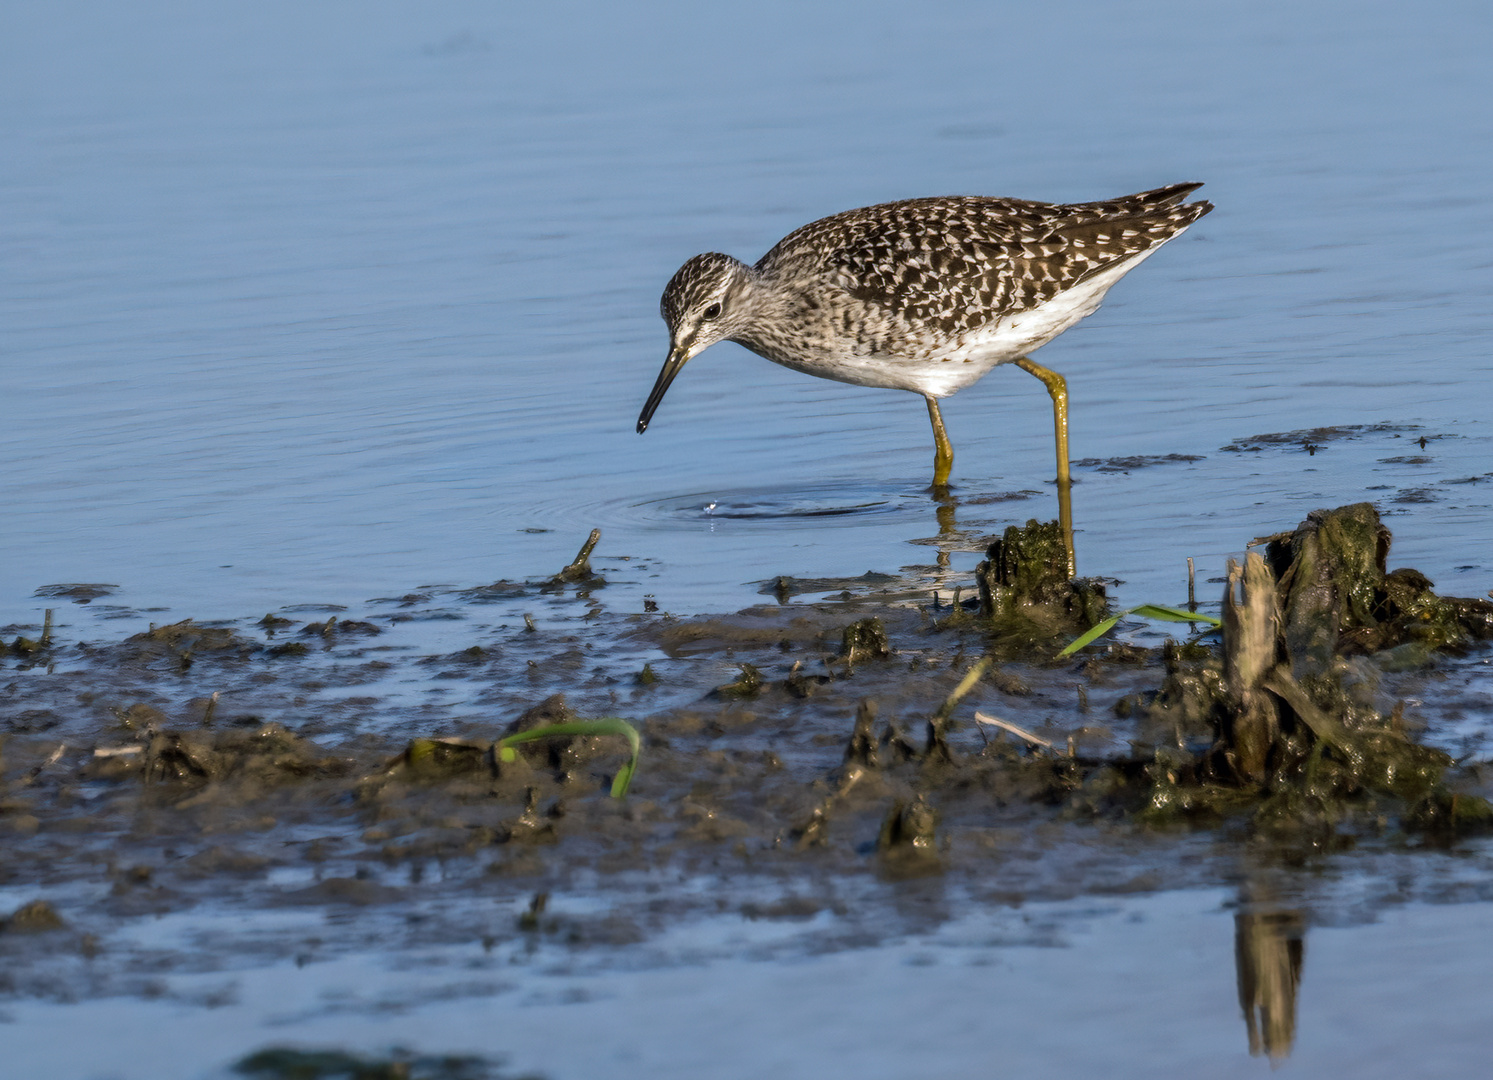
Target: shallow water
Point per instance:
(304, 308)
(1127, 986)
(315, 305)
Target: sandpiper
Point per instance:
(925, 295)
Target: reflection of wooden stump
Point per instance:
(1268, 950)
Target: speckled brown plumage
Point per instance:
(962, 262)
(925, 295)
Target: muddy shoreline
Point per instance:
(318, 785)
(797, 760)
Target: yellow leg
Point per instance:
(1057, 388)
(943, 452)
(1065, 522)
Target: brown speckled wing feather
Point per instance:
(962, 262)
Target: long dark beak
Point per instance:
(672, 366)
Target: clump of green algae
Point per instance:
(1296, 738)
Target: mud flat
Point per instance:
(883, 760)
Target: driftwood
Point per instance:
(1251, 652)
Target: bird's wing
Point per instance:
(959, 263)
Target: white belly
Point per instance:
(1017, 335)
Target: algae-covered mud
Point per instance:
(859, 771)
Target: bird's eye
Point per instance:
(713, 311)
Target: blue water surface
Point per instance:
(318, 302)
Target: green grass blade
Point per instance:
(1171, 614)
(1093, 633)
(610, 725)
(1146, 611)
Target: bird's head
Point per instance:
(705, 301)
